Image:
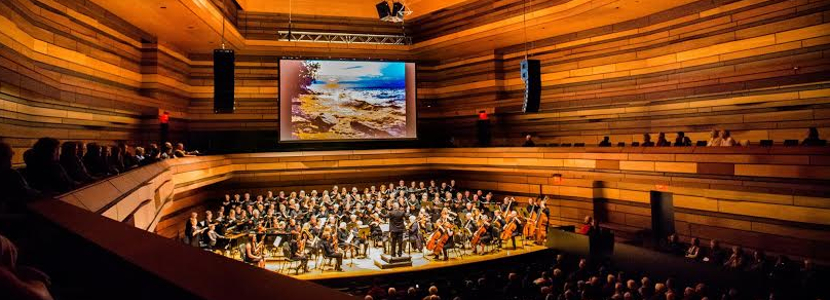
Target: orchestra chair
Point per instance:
(700, 144)
(288, 262)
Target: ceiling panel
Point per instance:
(345, 8)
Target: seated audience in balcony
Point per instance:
(72, 163)
(20, 282)
(43, 169)
(167, 151)
(714, 254)
(682, 140)
(647, 140)
(529, 141)
(726, 139)
(116, 159)
(673, 245)
(662, 141)
(606, 142)
(759, 263)
(139, 156)
(93, 161)
(714, 138)
(736, 260)
(813, 138)
(180, 152)
(16, 190)
(694, 249)
(151, 155)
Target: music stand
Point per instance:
(384, 232)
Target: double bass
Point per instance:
(530, 229)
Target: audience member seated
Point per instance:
(43, 170)
(662, 141)
(813, 138)
(714, 254)
(714, 139)
(94, 163)
(15, 188)
(673, 245)
(694, 249)
(180, 152)
(726, 139)
(20, 282)
(167, 151)
(647, 141)
(736, 260)
(682, 140)
(72, 163)
(606, 142)
(529, 141)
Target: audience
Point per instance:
(529, 141)
(662, 141)
(647, 141)
(606, 142)
(43, 169)
(813, 138)
(726, 139)
(20, 282)
(714, 138)
(682, 140)
(16, 190)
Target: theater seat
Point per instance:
(621, 144)
(579, 145)
(766, 143)
(791, 143)
(701, 144)
(635, 144)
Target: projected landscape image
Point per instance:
(333, 100)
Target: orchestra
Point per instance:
(336, 224)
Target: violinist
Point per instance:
(330, 251)
(414, 231)
(297, 247)
(253, 251)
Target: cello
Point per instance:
(442, 241)
(433, 239)
(477, 235)
(508, 230)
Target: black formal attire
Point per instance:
(330, 252)
(396, 229)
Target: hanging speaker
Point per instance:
(532, 77)
(223, 67)
(397, 9)
(383, 9)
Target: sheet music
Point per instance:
(384, 227)
(349, 239)
(277, 241)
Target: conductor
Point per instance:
(396, 228)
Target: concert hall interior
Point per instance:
(415, 149)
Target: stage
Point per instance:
(366, 266)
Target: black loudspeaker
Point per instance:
(483, 132)
(532, 76)
(383, 9)
(662, 215)
(397, 9)
(223, 66)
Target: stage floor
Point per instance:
(367, 267)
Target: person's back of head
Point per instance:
(69, 150)
(6, 155)
(812, 133)
(46, 150)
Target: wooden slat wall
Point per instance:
(758, 68)
(745, 196)
(72, 71)
(264, 26)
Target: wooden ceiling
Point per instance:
(342, 8)
(195, 26)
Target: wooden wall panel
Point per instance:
(757, 68)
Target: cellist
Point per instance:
(513, 218)
(482, 234)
